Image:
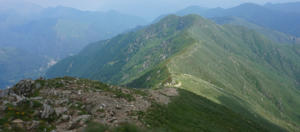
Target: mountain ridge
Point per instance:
(230, 65)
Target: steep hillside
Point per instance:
(230, 65)
(246, 69)
(126, 57)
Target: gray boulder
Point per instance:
(47, 111)
(24, 88)
(60, 110)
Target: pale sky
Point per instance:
(148, 8)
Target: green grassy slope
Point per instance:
(189, 112)
(229, 65)
(128, 56)
(245, 67)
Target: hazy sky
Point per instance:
(143, 7)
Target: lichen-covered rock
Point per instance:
(24, 88)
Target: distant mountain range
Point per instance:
(292, 7)
(54, 33)
(280, 17)
(274, 35)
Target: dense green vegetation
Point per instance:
(230, 65)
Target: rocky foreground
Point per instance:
(69, 104)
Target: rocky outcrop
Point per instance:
(24, 88)
(66, 104)
(47, 111)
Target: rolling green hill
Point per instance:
(229, 65)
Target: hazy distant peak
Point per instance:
(292, 7)
(22, 8)
(248, 6)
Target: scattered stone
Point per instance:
(36, 98)
(60, 110)
(118, 107)
(20, 99)
(79, 121)
(112, 120)
(47, 111)
(82, 107)
(34, 125)
(65, 117)
(60, 102)
(102, 115)
(17, 121)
